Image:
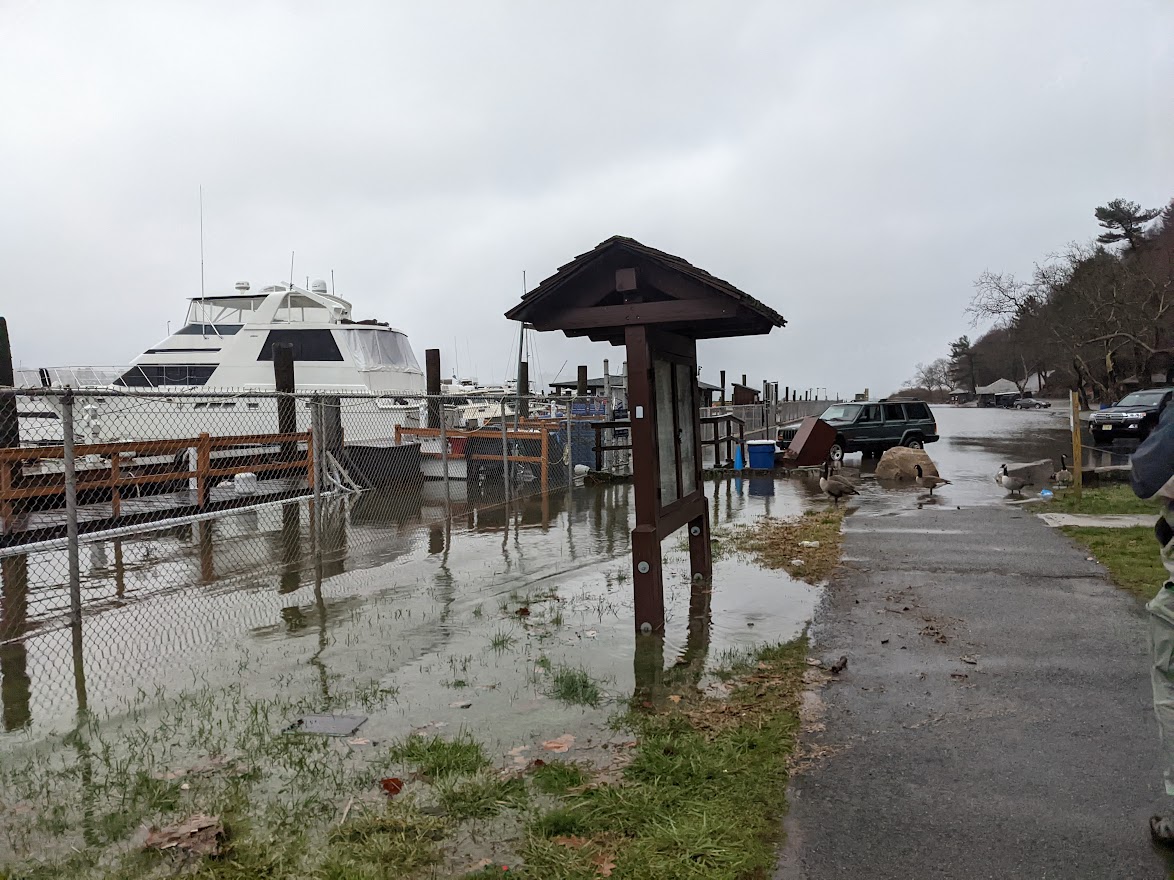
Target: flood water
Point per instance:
(457, 614)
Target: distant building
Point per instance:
(745, 395)
(1001, 392)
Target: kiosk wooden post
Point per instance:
(657, 306)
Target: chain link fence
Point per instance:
(116, 498)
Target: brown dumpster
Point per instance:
(811, 444)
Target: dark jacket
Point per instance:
(1153, 462)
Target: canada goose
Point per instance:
(1012, 484)
(1063, 475)
(835, 487)
(928, 481)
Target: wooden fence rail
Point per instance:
(116, 480)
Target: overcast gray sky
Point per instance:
(853, 165)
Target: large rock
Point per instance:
(897, 464)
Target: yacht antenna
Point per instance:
(203, 308)
(332, 282)
(291, 256)
(201, 244)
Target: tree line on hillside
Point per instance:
(1097, 317)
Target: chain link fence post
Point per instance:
(570, 449)
(444, 455)
(318, 453)
(505, 452)
(75, 588)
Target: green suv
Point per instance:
(872, 427)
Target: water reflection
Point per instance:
(15, 684)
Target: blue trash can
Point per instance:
(761, 454)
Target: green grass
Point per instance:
(381, 845)
(1131, 555)
(701, 799)
(1102, 501)
(481, 796)
(437, 758)
(575, 687)
(558, 776)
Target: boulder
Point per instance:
(897, 464)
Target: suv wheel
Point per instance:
(836, 453)
(915, 443)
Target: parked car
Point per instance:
(872, 427)
(1031, 403)
(1134, 415)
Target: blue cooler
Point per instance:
(761, 454)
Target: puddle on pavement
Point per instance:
(974, 444)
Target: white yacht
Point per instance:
(226, 345)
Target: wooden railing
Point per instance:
(122, 455)
(728, 438)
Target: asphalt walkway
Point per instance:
(995, 718)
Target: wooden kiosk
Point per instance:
(658, 306)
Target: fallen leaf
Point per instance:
(603, 865)
(969, 658)
(676, 698)
(814, 661)
(959, 676)
(523, 612)
(536, 764)
(559, 743)
(571, 842)
(198, 835)
(479, 865)
(392, 785)
(358, 741)
(460, 704)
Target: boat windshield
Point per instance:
(841, 412)
(225, 310)
(380, 350)
(1143, 398)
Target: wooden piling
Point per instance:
(523, 390)
(582, 389)
(9, 419)
(432, 386)
(283, 382)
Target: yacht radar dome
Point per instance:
(242, 285)
(319, 286)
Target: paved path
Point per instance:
(1092, 521)
(1039, 760)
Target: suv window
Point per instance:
(894, 412)
(917, 411)
(870, 413)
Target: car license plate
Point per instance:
(1106, 427)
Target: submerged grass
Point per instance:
(777, 543)
(1131, 555)
(437, 758)
(1102, 501)
(575, 687)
